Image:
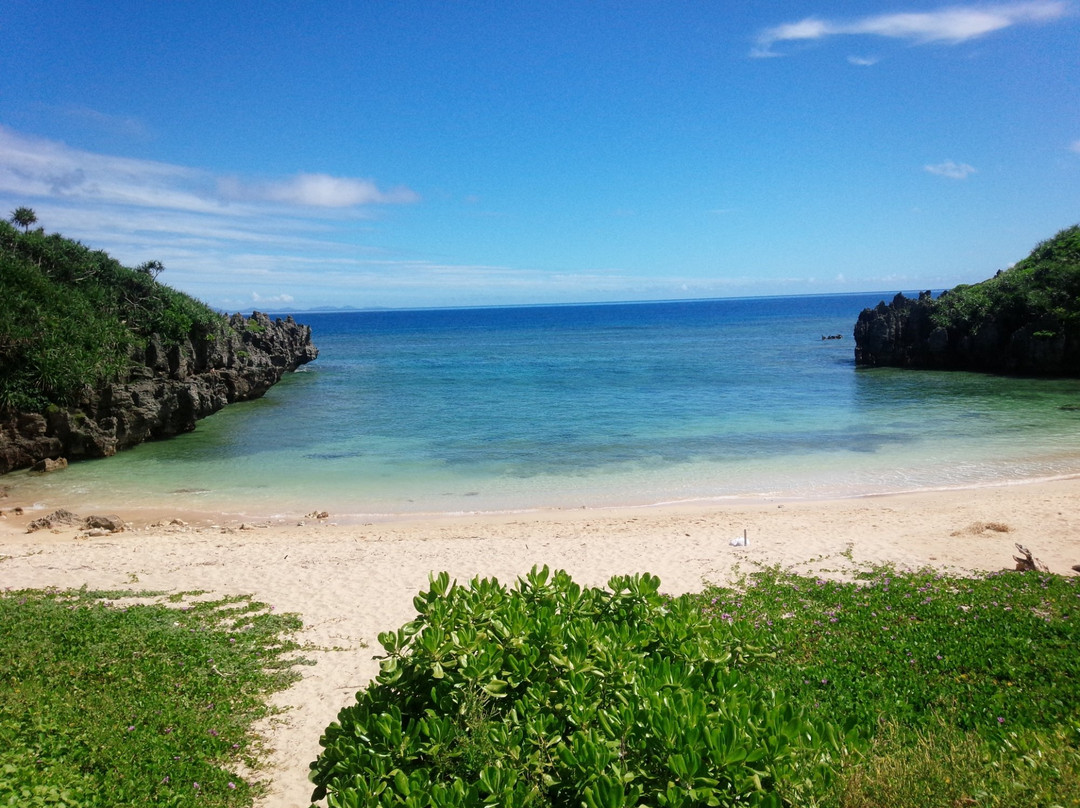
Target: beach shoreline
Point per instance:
(158, 511)
(349, 582)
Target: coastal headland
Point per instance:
(350, 582)
(164, 392)
(96, 357)
(1023, 321)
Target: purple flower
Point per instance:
(1000, 720)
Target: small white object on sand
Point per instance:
(740, 541)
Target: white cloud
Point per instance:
(954, 171)
(220, 238)
(37, 167)
(44, 168)
(951, 25)
(281, 298)
(862, 61)
(123, 125)
(318, 190)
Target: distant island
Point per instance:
(96, 357)
(1023, 321)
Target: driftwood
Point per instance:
(1028, 562)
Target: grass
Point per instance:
(132, 703)
(968, 689)
(965, 690)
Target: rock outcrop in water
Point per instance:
(164, 392)
(1023, 321)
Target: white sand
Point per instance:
(350, 582)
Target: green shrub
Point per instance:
(1044, 287)
(71, 317)
(551, 694)
(52, 343)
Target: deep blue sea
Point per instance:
(496, 409)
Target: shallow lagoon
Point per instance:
(461, 410)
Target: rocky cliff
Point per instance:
(911, 333)
(164, 392)
(1023, 321)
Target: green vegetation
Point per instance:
(899, 689)
(1043, 288)
(71, 316)
(894, 689)
(968, 688)
(24, 217)
(132, 705)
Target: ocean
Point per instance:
(440, 411)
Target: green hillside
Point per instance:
(1023, 321)
(1044, 287)
(72, 316)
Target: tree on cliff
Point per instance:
(150, 268)
(24, 217)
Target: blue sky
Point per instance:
(286, 155)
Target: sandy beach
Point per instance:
(349, 582)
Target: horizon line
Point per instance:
(376, 309)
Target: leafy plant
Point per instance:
(552, 694)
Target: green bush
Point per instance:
(551, 694)
(52, 343)
(1044, 287)
(72, 316)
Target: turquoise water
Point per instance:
(447, 411)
